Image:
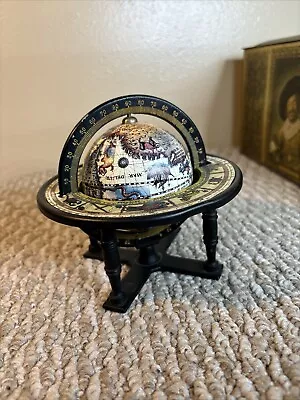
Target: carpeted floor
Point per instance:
(184, 337)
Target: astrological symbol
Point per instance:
(175, 114)
(92, 121)
(67, 168)
(75, 142)
(164, 107)
(103, 113)
(127, 103)
(215, 180)
(191, 130)
(183, 121)
(153, 104)
(115, 107)
(70, 155)
(140, 102)
(82, 130)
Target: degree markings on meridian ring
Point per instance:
(130, 105)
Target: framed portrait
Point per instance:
(282, 145)
(271, 112)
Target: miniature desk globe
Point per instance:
(137, 185)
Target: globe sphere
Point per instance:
(134, 161)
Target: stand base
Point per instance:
(138, 275)
(139, 272)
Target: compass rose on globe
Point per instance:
(129, 187)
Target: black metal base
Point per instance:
(138, 275)
(143, 263)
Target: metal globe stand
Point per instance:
(139, 232)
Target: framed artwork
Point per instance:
(282, 150)
(271, 118)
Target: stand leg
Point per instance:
(210, 268)
(149, 257)
(141, 266)
(210, 237)
(94, 251)
(112, 263)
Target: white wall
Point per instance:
(59, 59)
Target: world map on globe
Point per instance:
(134, 161)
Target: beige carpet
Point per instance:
(184, 337)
